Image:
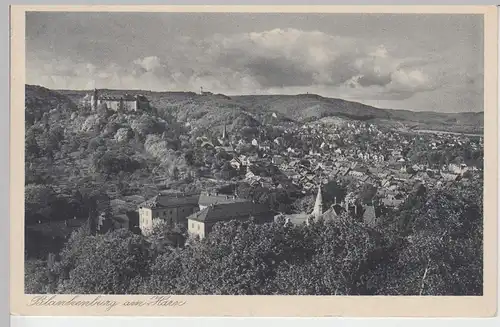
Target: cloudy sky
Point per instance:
(417, 62)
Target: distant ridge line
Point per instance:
(310, 95)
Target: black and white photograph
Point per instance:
(226, 153)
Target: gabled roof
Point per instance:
(169, 200)
(229, 211)
(364, 178)
(208, 199)
(235, 159)
(142, 98)
(334, 211)
(117, 98)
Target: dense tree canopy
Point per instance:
(341, 256)
(102, 264)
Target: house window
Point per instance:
(198, 227)
(192, 225)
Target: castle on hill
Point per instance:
(117, 103)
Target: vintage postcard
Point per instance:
(254, 161)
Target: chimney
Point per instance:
(335, 200)
(355, 209)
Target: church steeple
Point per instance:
(224, 132)
(318, 205)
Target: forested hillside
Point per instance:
(188, 106)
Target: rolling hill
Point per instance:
(206, 111)
(311, 107)
(40, 100)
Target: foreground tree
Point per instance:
(236, 258)
(246, 258)
(344, 252)
(40, 276)
(443, 251)
(102, 264)
(166, 236)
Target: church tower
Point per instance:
(318, 205)
(224, 132)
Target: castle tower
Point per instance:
(94, 99)
(318, 205)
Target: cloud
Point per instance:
(289, 58)
(278, 60)
(149, 63)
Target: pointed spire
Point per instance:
(224, 133)
(318, 205)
